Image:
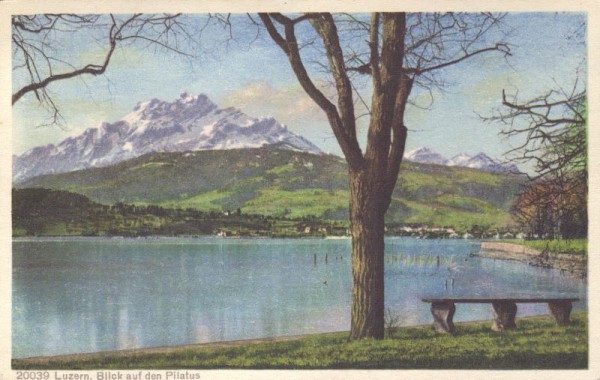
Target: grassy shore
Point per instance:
(538, 343)
(573, 247)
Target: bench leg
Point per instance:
(505, 312)
(443, 312)
(561, 310)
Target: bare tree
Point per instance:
(398, 51)
(551, 208)
(553, 128)
(554, 131)
(39, 58)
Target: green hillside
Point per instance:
(279, 183)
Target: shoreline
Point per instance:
(217, 345)
(573, 264)
(166, 349)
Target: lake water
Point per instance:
(94, 294)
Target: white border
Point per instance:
(128, 6)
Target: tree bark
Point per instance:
(367, 211)
(372, 185)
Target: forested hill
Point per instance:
(285, 183)
(44, 212)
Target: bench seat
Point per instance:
(505, 310)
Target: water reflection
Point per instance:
(86, 295)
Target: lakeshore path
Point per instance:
(574, 264)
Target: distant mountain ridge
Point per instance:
(480, 161)
(425, 155)
(190, 123)
(288, 183)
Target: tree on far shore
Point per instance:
(554, 126)
(552, 130)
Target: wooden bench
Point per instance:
(505, 310)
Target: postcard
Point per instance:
(257, 189)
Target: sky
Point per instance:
(255, 76)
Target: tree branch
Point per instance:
(501, 47)
(384, 107)
(279, 40)
(88, 69)
(289, 45)
(326, 28)
(374, 50)
(400, 133)
(553, 128)
(34, 37)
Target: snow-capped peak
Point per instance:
(484, 162)
(186, 97)
(481, 161)
(191, 122)
(426, 156)
(459, 159)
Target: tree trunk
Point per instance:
(367, 210)
(373, 174)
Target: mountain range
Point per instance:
(480, 161)
(190, 123)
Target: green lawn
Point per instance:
(538, 343)
(575, 246)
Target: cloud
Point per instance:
(29, 115)
(289, 105)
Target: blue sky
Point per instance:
(257, 79)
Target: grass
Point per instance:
(573, 247)
(538, 343)
(204, 201)
(419, 175)
(298, 203)
(444, 213)
(287, 168)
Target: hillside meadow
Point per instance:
(283, 183)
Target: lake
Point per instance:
(74, 295)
